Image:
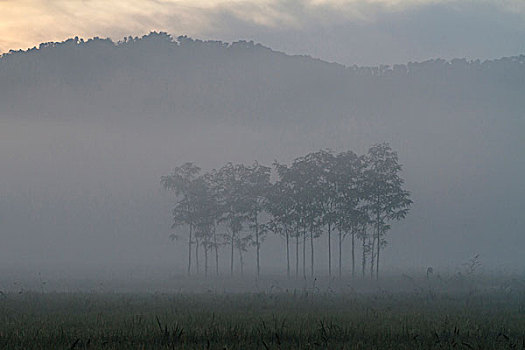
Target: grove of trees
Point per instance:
(317, 196)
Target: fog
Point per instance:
(87, 129)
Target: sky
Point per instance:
(363, 32)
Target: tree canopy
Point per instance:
(316, 194)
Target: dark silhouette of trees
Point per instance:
(386, 199)
(205, 211)
(256, 185)
(162, 74)
(214, 213)
(318, 193)
(350, 217)
(181, 181)
(282, 208)
(233, 205)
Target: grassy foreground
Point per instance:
(287, 320)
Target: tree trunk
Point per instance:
(378, 245)
(231, 259)
(205, 260)
(216, 251)
(312, 252)
(257, 244)
(241, 261)
(189, 250)
(297, 253)
(363, 260)
(197, 255)
(372, 257)
(304, 253)
(287, 255)
(329, 250)
(340, 253)
(353, 254)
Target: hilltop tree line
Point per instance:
(161, 77)
(321, 195)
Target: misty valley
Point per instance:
(163, 192)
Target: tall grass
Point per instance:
(491, 320)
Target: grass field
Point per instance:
(291, 319)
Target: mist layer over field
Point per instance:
(87, 129)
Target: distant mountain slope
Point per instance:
(156, 76)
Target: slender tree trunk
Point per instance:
(297, 253)
(197, 255)
(363, 258)
(216, 251)
(189, 250)
(241, 261)
(340, 253)
(257, 244)
(287, 254)
(312, 252)
(206, 260)
(231, 260)
(353, 254)
(329, 250)
(304, 253)
(378, 246)
(372, 257)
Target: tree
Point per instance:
(232, 203)
(350, 217)
(287, 198)
(255, 187)
(280, 206)
(363, 236)
(242, 243)
(324, 164)
(319, 192)
(387, 200)
(308, 176)
(180, 181)
(211, 179)
(205, 216)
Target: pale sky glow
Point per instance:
(313, 27)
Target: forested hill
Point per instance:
(157, 76)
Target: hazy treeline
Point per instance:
(319, 194)
(158, 76)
